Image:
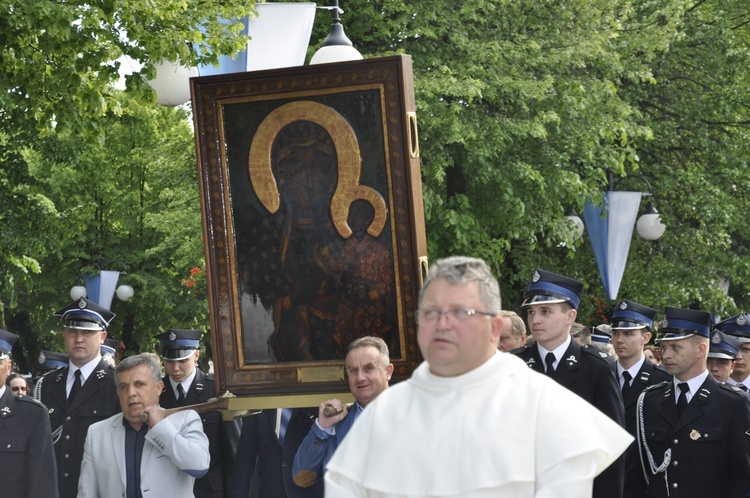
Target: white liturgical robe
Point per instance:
(501, 430)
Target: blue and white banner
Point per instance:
(101, 288)
(610, 229)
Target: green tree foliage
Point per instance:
(59, 59)
(523, 108)
(129, 202)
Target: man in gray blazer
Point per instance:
(127, 457)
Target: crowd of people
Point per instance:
(500, 407)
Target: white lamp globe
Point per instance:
(125, 292)
(649, 225)
(77, 292)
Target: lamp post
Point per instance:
(279, 37)
(101, 288)
(336, 47)
(610, 229)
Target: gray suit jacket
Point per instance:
(175, 453)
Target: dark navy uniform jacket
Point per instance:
(97, 400)
(260, 453)
(648, 375)
(587, 372)
(222, 436)
(710, 442)
(27, 459)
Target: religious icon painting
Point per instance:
(313, 220)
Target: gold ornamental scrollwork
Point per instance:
(348, 157)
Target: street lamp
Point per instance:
(336, 47)
(610, 229)
(100, 288)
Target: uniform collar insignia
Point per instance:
(59, 377)
(571, 360)
(199, 388)
(645, 376)
(5, 411)
(100, 374)
(530, 362)
(51, 411)
(603, 354)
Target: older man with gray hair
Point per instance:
(430, 435)
(142, 452)
(513, 334)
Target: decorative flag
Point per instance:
(101, 288)
(610, 229)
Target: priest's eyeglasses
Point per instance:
(458, 315)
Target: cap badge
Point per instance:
(41, 359)
(665, 323)
(172, 336)
(741, 320)
(695, 435)
(82, 303)
(716, 339)
(536, 276)
(623, 305)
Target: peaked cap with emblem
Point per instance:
(48, 361)
(178, 344)
(723, 346)
(549, 288)
(681, 323)
(7, 340)
(109, 347)
(738, 326)
(83, 314)
(602, 333)
(631, 315)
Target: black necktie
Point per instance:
(626, 385)
(180, 395)
(682, 400)
(286, 414)
(742, 386)
(550, 361)
(76, 386)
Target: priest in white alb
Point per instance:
(472, 422)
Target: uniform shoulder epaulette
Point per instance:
(657, 386)
(29, 399)
(731, 388)
(598, 353)
(520, 350)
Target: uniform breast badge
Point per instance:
(695, 435)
